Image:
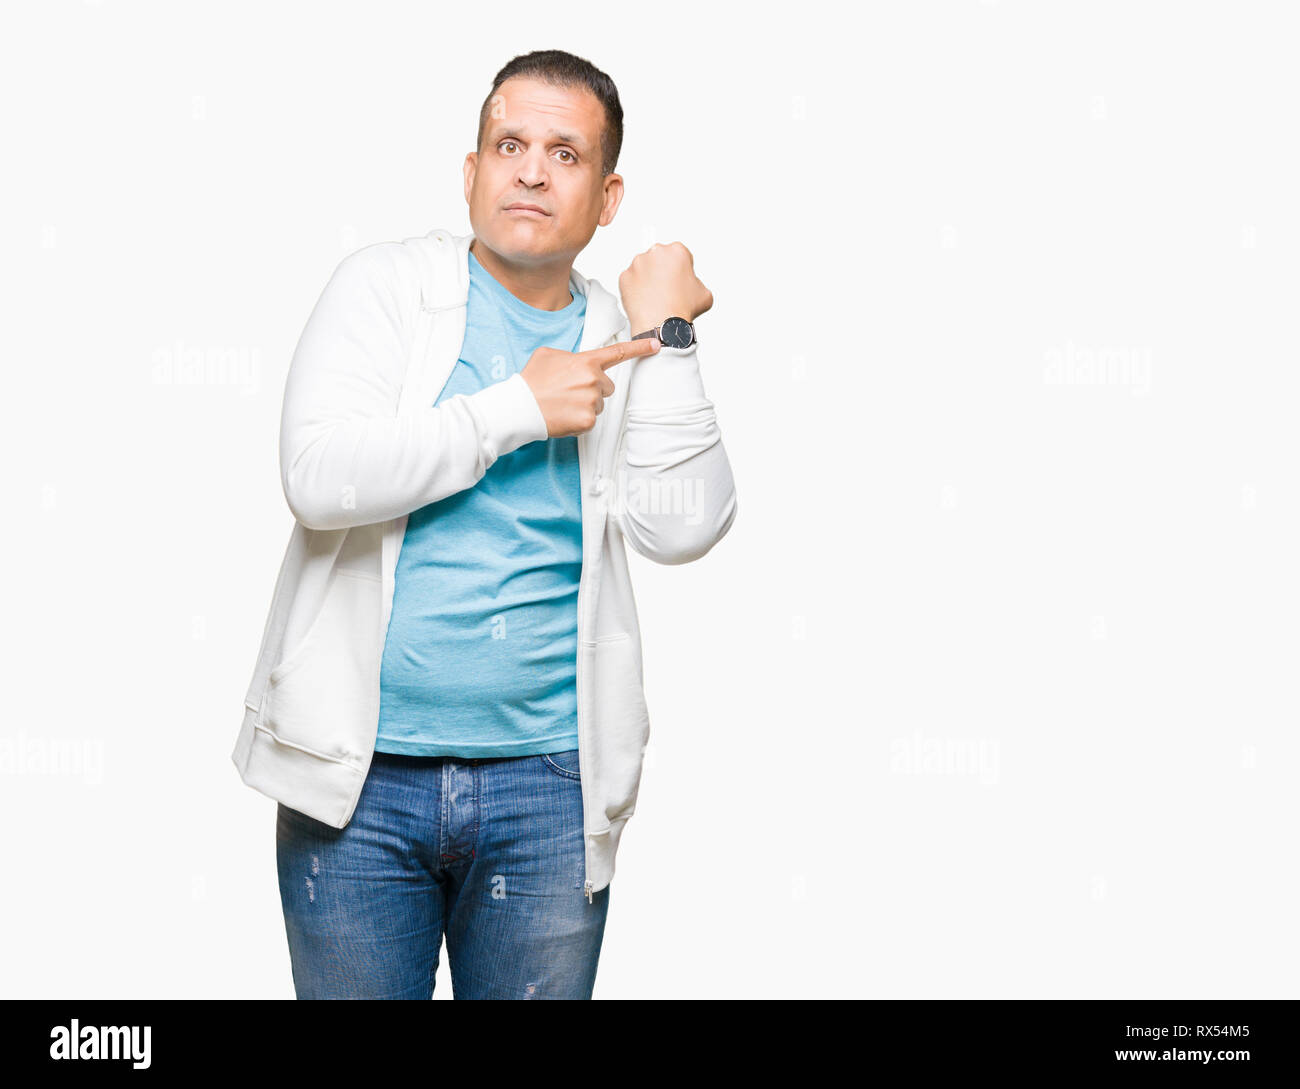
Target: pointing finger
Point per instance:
(625, 349)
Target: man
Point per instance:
(448, 703)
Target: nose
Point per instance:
(532, 169)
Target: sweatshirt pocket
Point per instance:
(323, 696)
(617, 739)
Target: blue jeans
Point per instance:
(488, 852)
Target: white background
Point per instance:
(991, 689)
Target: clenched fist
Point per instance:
(661, 283)
(571, 387)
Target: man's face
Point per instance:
(541, 146)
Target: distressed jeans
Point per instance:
(487, 852)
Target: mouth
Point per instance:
(527, 210)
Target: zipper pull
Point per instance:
(587, 889)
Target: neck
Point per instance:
(545, 287)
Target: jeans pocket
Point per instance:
(564, 764)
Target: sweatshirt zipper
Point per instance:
(584, 479)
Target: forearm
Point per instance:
(675, 495)
(359, 471)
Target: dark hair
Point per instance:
(561, 69)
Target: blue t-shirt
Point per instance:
(480, 658)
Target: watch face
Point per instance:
(675, 333)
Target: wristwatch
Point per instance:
(672, 333)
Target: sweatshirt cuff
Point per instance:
(512, 414)
(669, 377)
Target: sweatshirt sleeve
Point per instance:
(675, 497)
(346, 457)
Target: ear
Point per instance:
(613, 198)
(471, 168)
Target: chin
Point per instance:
(519, 242)
(524, 227)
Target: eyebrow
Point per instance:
(563, 137)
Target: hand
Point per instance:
(661, 283)
(571, 387)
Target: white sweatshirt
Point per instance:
(362, 444)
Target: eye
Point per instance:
(572, 158)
